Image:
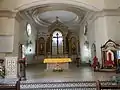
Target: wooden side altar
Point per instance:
(57, 63)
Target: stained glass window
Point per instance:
(57, 43)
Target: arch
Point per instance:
(93, 50)
(83, 4)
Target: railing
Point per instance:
(65, 85)
(101, 87)
(10, 87)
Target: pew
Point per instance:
(101, 87)
(10, 87)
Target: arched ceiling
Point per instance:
(45, 15)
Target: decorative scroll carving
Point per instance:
(57, 24)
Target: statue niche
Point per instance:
(109, 54)
(73, 45)
(41, 46)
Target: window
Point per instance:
(57, 43)
(28, 29)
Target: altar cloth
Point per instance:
(57, 60)
(57, 63)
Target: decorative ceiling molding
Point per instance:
(76, 3)
(35, 13)
(7, 13)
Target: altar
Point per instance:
(57, 63)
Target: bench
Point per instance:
(101, 87)
(10, 87)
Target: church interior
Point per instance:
(59, 41)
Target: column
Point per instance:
(69, 47)
(51, 46)
(64, 45)
(45, 46)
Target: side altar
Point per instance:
(57, 63)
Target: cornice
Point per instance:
(92, 16)
(7, 13)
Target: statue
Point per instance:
(110, 59)
(95, 64)
(73, 48)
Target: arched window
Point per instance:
(28, 29)
(57, 43)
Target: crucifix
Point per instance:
(57, 37)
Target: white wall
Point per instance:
(112, 4)
(101, 35)
(7, 26)
(113, 27)
(6, 30)
(97, 33)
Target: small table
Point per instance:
(57, 63)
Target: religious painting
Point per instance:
(109, 54)
(73, 45)
(41, 46)
(48, 45)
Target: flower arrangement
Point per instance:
(58, 68)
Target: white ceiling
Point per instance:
(63, 16)
(45, 15)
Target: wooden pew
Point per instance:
(9, 87)
(101, 87)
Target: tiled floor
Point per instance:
(38, 72)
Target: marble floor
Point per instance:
(83, 73)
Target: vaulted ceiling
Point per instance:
(45, 15)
